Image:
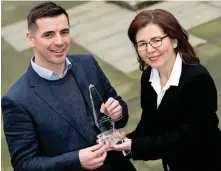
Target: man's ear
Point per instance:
(30, 39)
(174, 43)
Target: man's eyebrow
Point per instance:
(47, 32)
(66, 29)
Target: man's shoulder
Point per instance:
(18, 88)
(80, 57)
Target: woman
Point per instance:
(178, 98)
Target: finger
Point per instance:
(104, 155)
(113, 105)
(115, 115)
(118, 135)
(109, 102)
(100, 141)
(120, 147)
(102, 109)
(109, 149)
(116, 148)
(117, 109)
(96, 147)
(101, 158)
(99, 151)
(123, 135)
(95, 166)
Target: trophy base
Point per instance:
(110, 137)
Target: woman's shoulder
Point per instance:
(146, 74)
(194, 69)
(195, 74)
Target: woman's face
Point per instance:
(161, 55)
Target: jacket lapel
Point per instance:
(172, 94)
(82, 81)
(43, 91)
(169, 98)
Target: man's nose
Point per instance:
(58, 40)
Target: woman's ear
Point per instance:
(174, 43)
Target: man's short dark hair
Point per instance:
(42, 10)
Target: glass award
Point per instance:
(102, 121)
(109, 135)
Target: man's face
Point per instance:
(50, 41)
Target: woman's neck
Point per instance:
(164, 76)
(166, 72)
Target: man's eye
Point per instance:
(65, 32)
(48, 35)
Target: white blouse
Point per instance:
(173, 80)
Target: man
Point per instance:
(47, 114)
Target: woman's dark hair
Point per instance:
(169, 24)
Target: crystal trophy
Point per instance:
(109, 135)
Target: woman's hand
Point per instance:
(126, 145)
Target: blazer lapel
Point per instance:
(169, 98)
(83, 84)
(172, 94)
(43, 91)
(82, 81)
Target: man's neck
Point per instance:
(58, 68)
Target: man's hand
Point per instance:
(93, 157)
(112, 108)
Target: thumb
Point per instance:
(123, 135)
(118, 147)
(102, 109)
